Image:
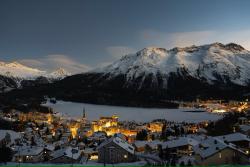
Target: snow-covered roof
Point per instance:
(181, 141)
(50, 147)
(69, 152)
(233, 137)
(140, 143)
(202, 130)
(29, 151)
(98, 135)
(209, 147)
(245, 128)
(212, 145)
(81, 144)
(152, 144)
(89, 150)
(13, 135)
(120, 142)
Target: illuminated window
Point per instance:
(220, 155)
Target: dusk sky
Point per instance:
(84, 34)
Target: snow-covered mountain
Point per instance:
(12, 74)
(211, 63)
(60, 73)
(18, 70)
(153, 75)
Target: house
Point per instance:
(48, 149)
(66, 155)
(181, 145)
(201, 131)
(98, 136)
(155, 126)
(115, 150)
(242, 120)
(92, 153)
(66, 136)
(245, 129)
(81, 145)
(240, 140)
(29, 154)
(140, 145)
(213, 151)
(8, 137)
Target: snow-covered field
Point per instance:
(93, 112)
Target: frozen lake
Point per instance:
(93, 112)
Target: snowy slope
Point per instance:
(18, 70)
(13, 74)
(212, 63)
(60, 73)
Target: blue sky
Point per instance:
(83, 34)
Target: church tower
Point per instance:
(83, 113)
(84, 118)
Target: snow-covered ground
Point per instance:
(93, 112)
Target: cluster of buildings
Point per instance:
(49, 138)
(218, 106)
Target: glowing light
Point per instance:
(219, 111)
(73, 131)
(94, 157)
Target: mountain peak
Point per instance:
(18, 70)
(230, 46)
(205, 61)
(151, 52)
(61, 70)
(234, 46)
(217, 44)
(59, 73)
(153, 49)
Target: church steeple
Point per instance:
(83, 113)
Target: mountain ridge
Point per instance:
(203, 62)
(14, 73)
(153, 75)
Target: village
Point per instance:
(49, 138)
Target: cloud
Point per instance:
(104, 64)
(183, 39)
(119, 51)
(32, 62)
(52, 62)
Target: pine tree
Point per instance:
(163, 132)
(182, 163)
(189, 163)
(142, 135)
(160, 151)
(6, 154)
